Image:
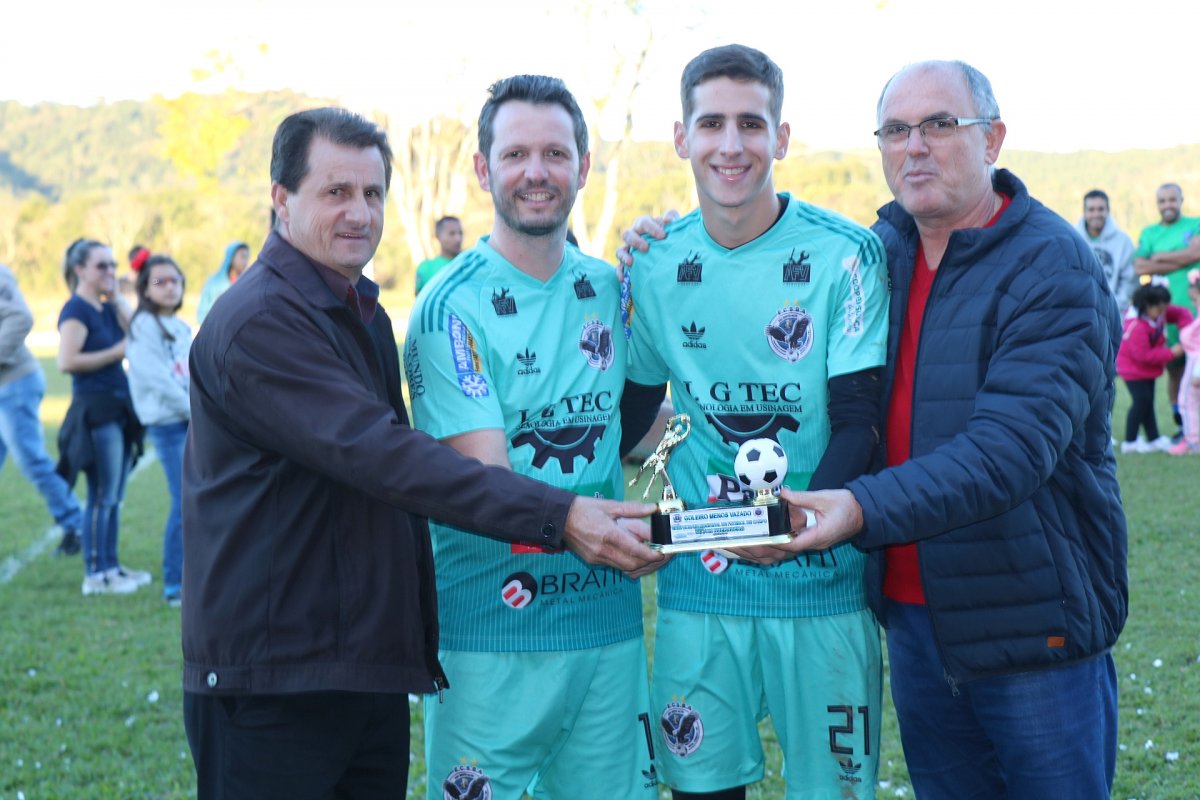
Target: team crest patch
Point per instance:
(797, 269)
(790, 333)
(714, 562)
(683, 730)
(504, 303)
(596, 344)
(466, 782)
(689, 270)
(583, 287)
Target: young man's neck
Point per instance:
(537, 256)
(734, 227)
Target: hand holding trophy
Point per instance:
(760, 519)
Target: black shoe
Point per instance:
(1178, 437)
(69, 545)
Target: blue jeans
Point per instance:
(1050, 733)
(106, 490)
(21, 434)
(168, 443)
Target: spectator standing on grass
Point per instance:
(1112, 246)
(310, 612)
(1170, 248)
(1143, 355)
(1189, 387)
(449, 234)
(22, 387)
(157, 352)
(101, 435)
(235, 262)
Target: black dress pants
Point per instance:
(313, 746)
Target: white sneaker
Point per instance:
(139, 577)
(1138, 446)
(107, 583)
(1161, 444)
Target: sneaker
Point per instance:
(1138, 446)
(1182, 448)
(1160, 445)
(107, 583)
(174, 599)
(139, 577)
(69, 545)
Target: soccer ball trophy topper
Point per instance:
(760, 518)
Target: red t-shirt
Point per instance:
(902, 579)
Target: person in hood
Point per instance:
(237, 258)
(1112, 246)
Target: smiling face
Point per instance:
(335, 216)
(944, 181)
(1095, 214)
(533, 171)
(732, 142)
(1170, 203)
(97, 274)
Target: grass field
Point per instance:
(90, 693)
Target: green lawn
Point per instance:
(89, 687)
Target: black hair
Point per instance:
(437, 226)
(539, 90)
(736, 62)
(145, 304)
(294, 136)
(1151, 294)
(1096, 194)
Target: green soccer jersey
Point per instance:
(490, 347)
(1161, 238)
(748, 339)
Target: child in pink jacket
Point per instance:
(1189, 387)
(1143, 356)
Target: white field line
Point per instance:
(12, 565)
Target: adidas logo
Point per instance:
(527, 359)
(694, 335)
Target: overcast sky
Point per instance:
(1068, 75)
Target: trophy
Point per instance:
(760, 518)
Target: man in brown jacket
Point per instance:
(309, 612)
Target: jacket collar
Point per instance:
(299, 270)
(967, 241)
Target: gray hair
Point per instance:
(978, 84)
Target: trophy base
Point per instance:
(719, 527)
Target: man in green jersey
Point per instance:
(768, 317)
(449, 233)
(516, 357)
(1171, 247)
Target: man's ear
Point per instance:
(279, 197)
(681, 145)
(481, 172)
(995, 138)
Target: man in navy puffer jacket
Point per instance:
(996, 531)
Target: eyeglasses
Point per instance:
(164, 281)
(105, 265)
(896, 133)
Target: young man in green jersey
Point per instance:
(768, 317)
(512, 358)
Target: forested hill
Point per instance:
(190, 174)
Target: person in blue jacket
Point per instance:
(237, 258)
(996, 534)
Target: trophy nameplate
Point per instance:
(761, 519)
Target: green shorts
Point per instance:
(558, 724)
(819, 678)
